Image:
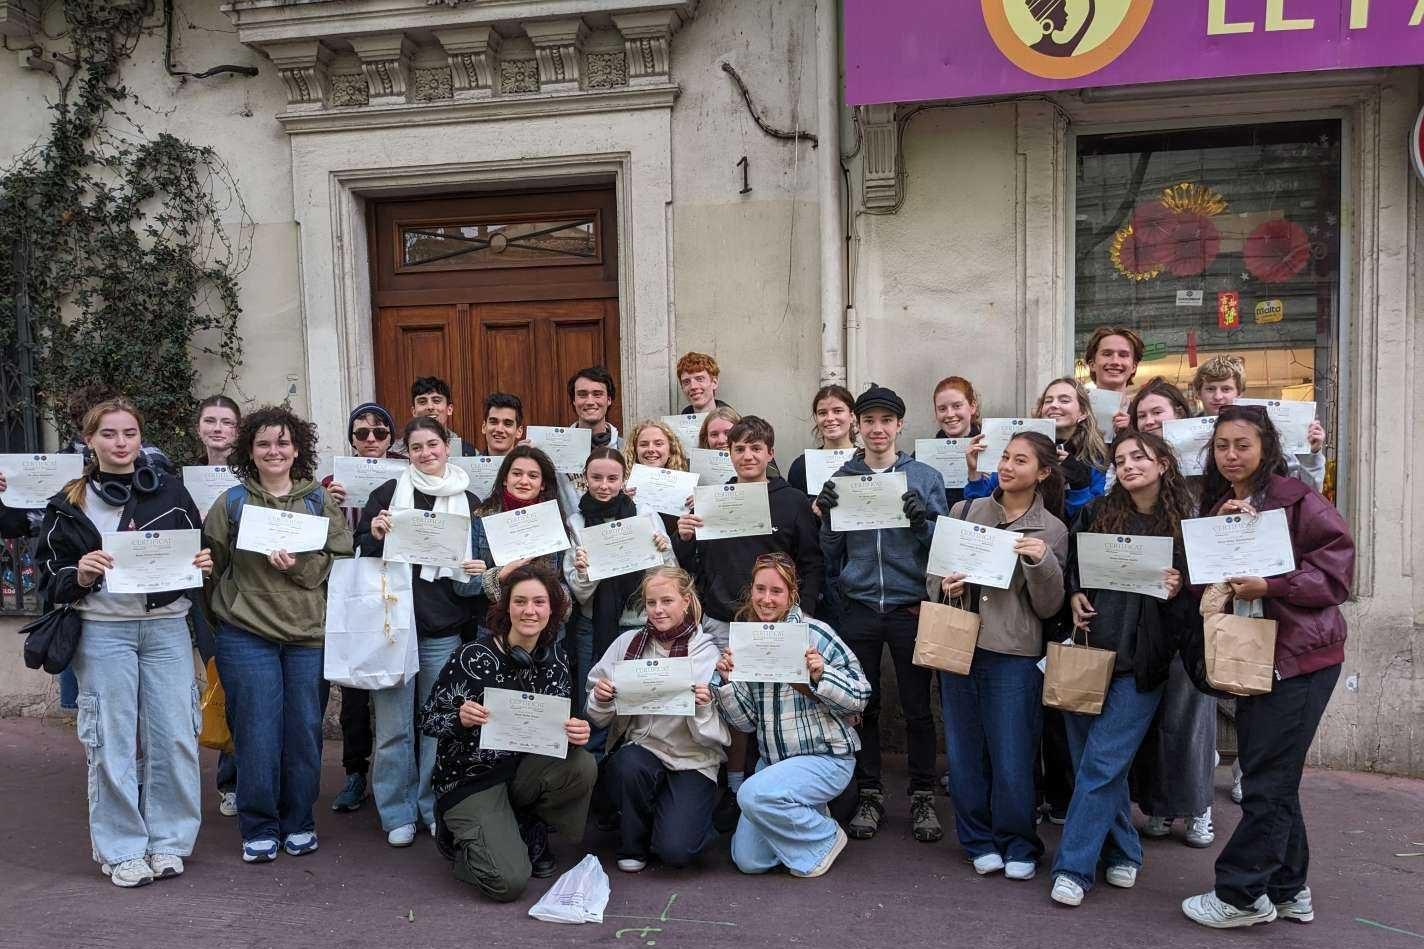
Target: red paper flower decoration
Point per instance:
(1194, 245)
(1277, 250)
(1153, 225)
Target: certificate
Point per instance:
(527, 722)
(712, 466)
(869, 502)
(265, 529)
(665, 490)
(985, 555)
(998, 432)
(769, 652)
(1106, 403)
(732, 510)
(1238, 546)
(152, 561)
(207, 483)
(525, 533)
(1190, 439)
(482, 469)
(822, 465)
(567, 448)
(1291, 419)
(686, 428)
(428, 538)
(945, 455)
(31, 480)
(1124, 562)
(618, 547)
(361, 476)
(653, 687)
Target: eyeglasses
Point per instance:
(774, 559)
(379, 434)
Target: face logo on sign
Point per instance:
(1064, 39)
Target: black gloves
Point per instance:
(828, 498)
(915, 509)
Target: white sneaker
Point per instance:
(1122, 875)
(165, 865)
(402, 836)
(1299, 909)
(1200, 832)
(432, 829)
(987, 864)
(828, 859)
(632, 865)
(1209, 910)
(1157, 827)
(1020, 869)
(1236, 793)
(1066, 891)
(227, 804)
(130, 873)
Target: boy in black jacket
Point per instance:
(723, 568)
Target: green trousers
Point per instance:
(489, 853)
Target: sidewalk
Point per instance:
(358, 892)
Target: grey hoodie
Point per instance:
(885, 569)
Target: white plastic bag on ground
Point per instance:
(579, 896)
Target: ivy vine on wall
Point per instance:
(130, 273)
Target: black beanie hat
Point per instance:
(369, 408)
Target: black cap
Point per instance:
(879, 397)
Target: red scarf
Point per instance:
(676, 640)
(512, 503)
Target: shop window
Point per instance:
(504, 243)
(1217, 241)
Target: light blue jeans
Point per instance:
(136, 685)
(401, 765)
(784, 819)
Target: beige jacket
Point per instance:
(1011, 621)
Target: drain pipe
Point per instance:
(829, 194)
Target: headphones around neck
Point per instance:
(117, 494)
(526, 660)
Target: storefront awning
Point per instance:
(914, 50)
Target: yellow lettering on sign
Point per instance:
(1359, 14)
(1217, 25)
(1418, 16)
(1276, 21)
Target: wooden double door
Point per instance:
(495, 293)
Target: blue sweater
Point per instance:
(1073, 500)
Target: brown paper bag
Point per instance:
(946, 638)
(1240, 653)
(1076, 678)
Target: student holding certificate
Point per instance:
(651, 442)
(525, 477)
(494, 808)
(1261, 873)
(833, 428)
(881, 574)
(1112, 356)
(400, 781)
(723, 568)
(661, 770)
(1221, 380)
(992, 715)
(134, 660)
(272, 611)
(699, 376)
(956, 409)
(604, 608)
(1149, 498)
(591, 394)
(804, 734)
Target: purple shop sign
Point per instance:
(913, 50)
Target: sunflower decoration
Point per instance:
(1125, 257)
(1191, 198)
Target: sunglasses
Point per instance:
(379, 434)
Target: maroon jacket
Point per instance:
(1305, 603)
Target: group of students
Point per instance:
(668, 784)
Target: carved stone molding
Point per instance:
(558, 47)
(880, 170)
(647, 43)
(433, 83)
(349, 89)
(605, 70)
(518, 76)
(473, 53)
(386, 61)
(303, 66)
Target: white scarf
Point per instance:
(448, 490)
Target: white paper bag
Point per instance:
(370, 625)
(579, 896)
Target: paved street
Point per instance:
(356, 891)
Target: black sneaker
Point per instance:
(352, 796)
(868, 814)
(541, 855)
(923, 819)
(727, 813)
